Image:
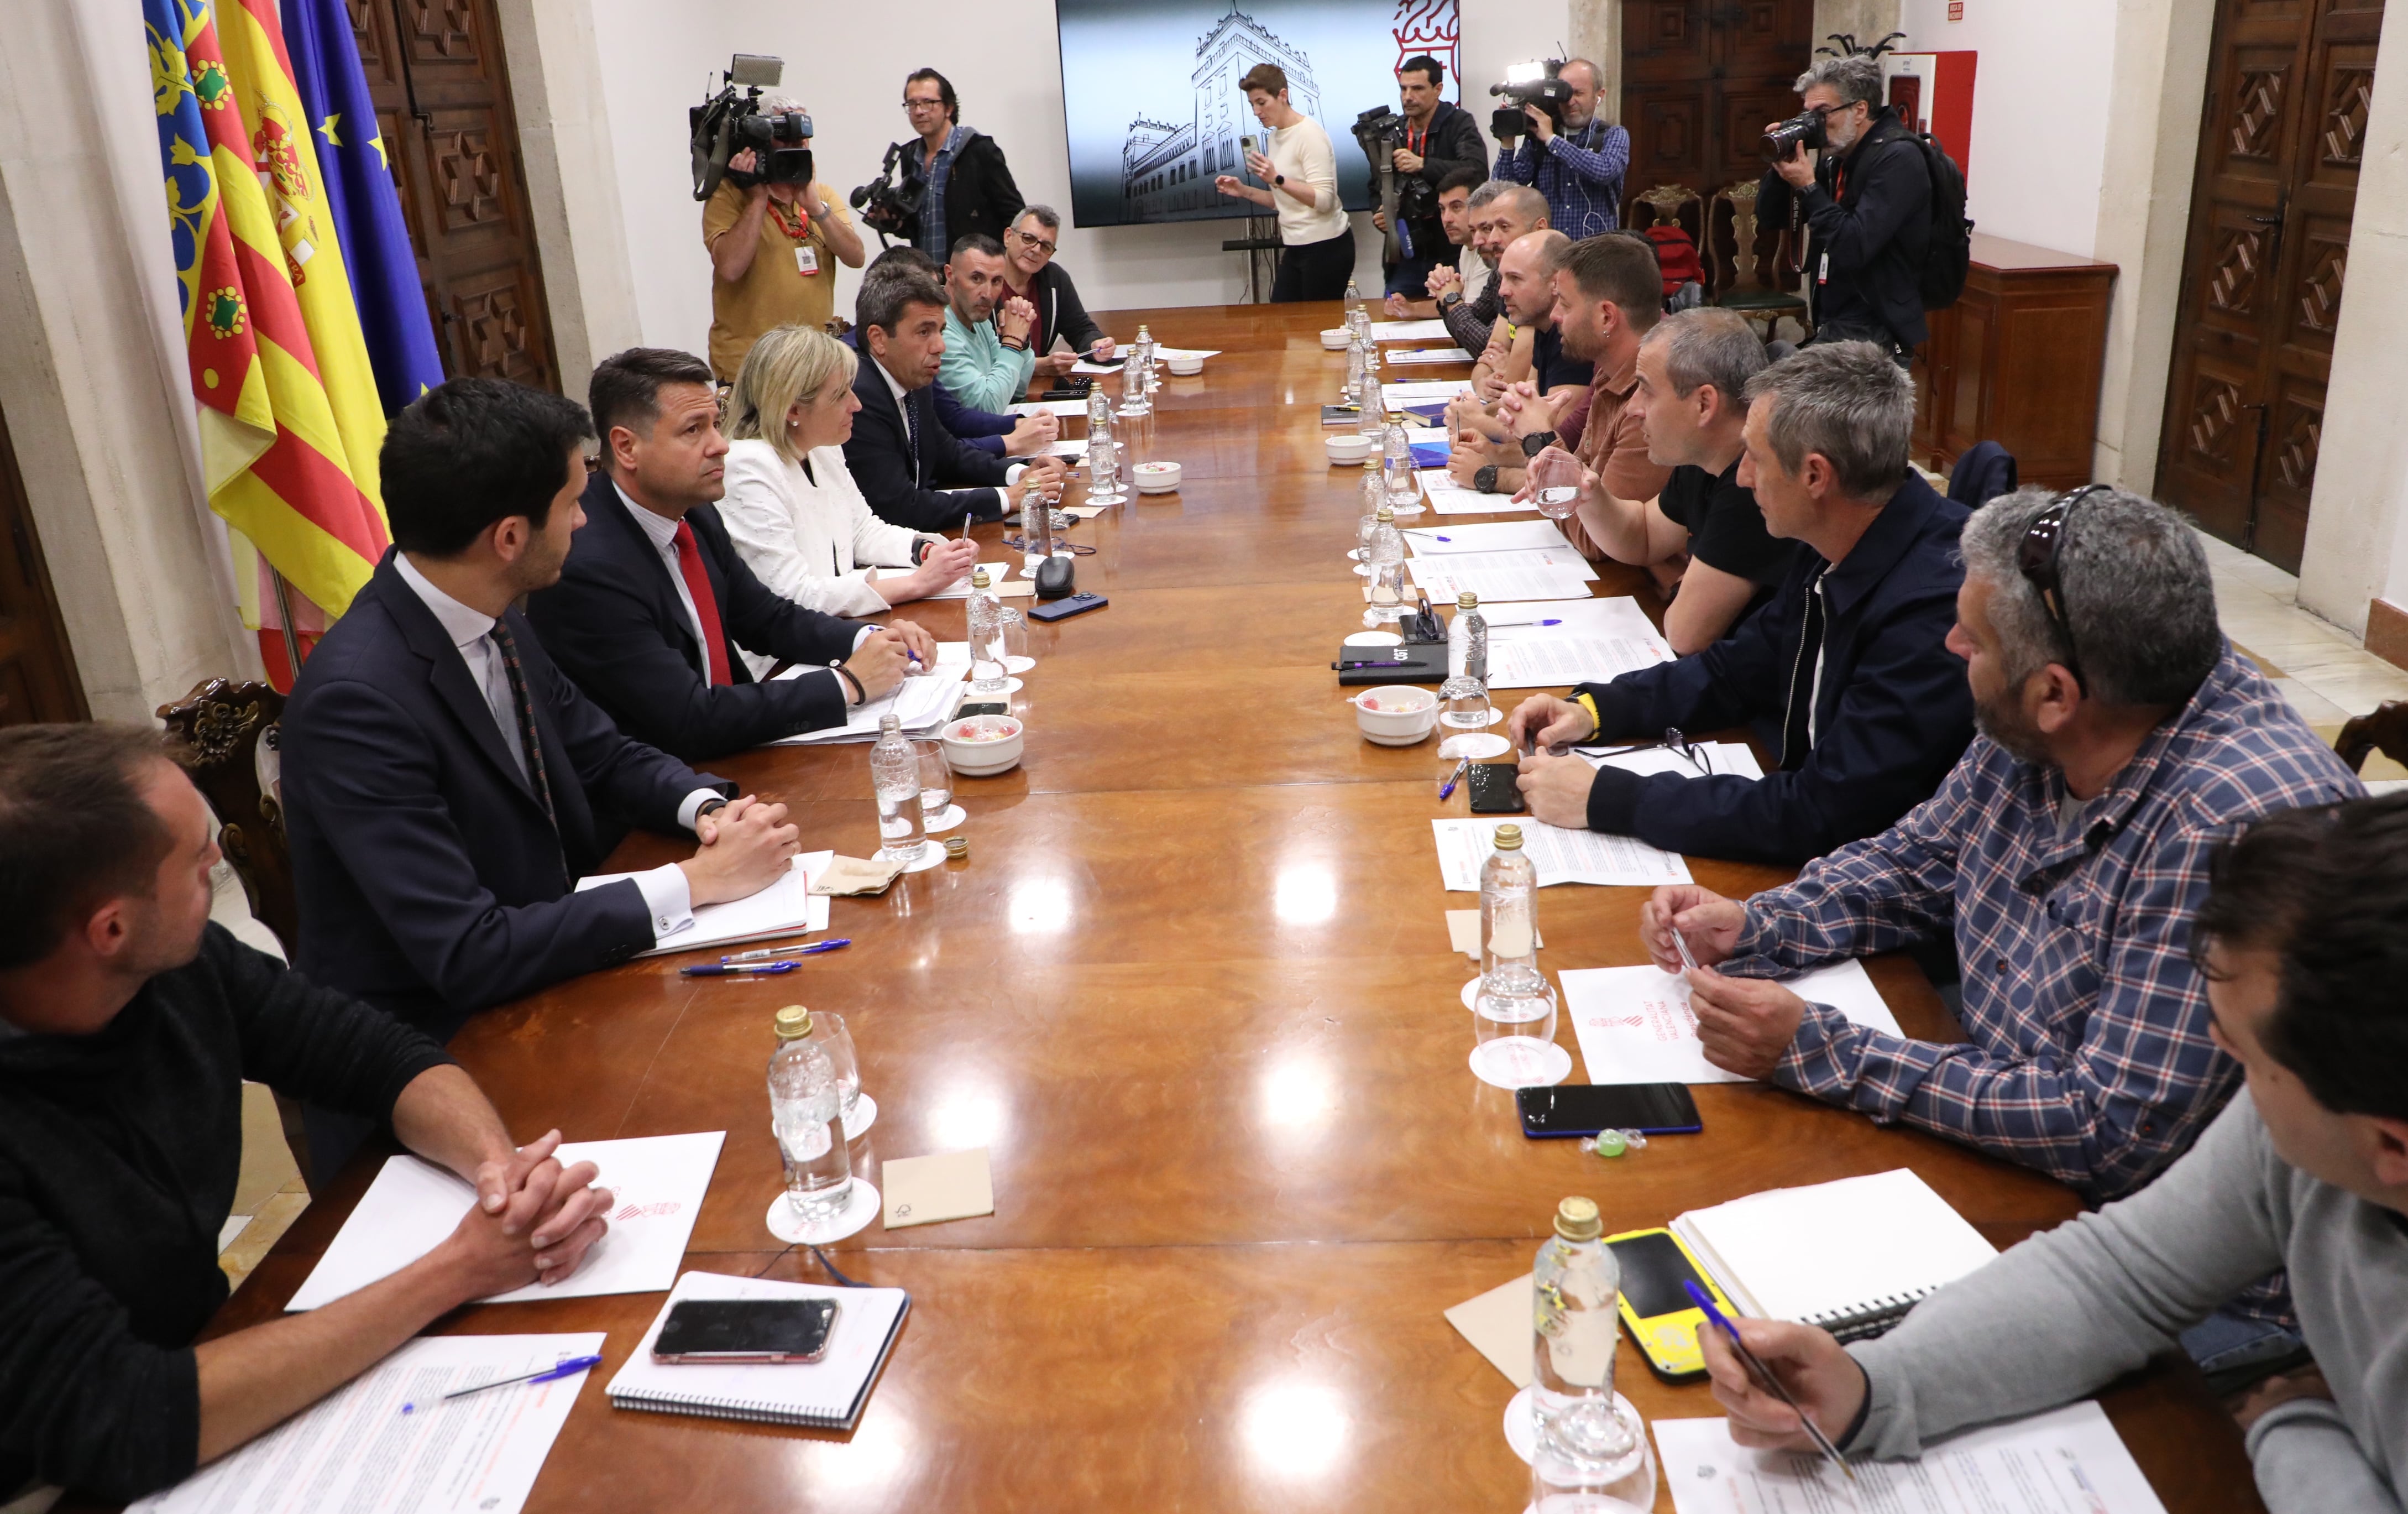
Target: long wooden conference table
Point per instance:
(1192, 991)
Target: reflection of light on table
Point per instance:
(1304, 894)
(1039, 906)
(966, 1115)
(874, 1456)
(1294, 1431)
(1296, 1093)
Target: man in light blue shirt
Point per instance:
(987, 362)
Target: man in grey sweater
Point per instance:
(2307, 968)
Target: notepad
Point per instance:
(829, 1394)
(1852, 1257)
(785, 908)
(1407, 330)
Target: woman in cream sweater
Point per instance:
(793, 512)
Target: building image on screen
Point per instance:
(1151, 97)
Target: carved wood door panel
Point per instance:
(443, 106)
(38, 677)
(1699, 79)
(2288, 82)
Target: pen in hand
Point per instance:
(1762, 1374)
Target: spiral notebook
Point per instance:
(829, 1394)
(1852, 1257)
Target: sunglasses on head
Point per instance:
(2036, 557)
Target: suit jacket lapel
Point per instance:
(447, 672)
(603, 506)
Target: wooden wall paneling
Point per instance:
(37, 672)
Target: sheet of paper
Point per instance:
(922, 701)
(785, 907)
(1427, 434)
(1497, 1325)
(2068, 1461)
(1410, 356)
(1635, 1024)
(1560, 856)
(1049, 407)
(1448, 497)
(951, 1185)
(1417, 391)
(1083, 365)
(1085, 512)
(1594, 639)
(1408, 331)
(1166, 353)
(1070, 447)
(356, 1451)
(1484, 536)
(996, 580)
(656, 1184)
(1506, 576)
(1705, 759)
(1463, 932)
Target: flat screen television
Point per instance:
(1150, 91)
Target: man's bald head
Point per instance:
(1525, 275)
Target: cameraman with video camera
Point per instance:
(1435, 140)
(774, 243)
(1575, 160)
(1867, 199)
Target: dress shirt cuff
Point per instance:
(1011, 474)
(693, 804)
(862, 635)
(1613, 800)
(668, 900)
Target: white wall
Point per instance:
(2041, 97)
(1002, 58)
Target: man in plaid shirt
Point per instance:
(1578, 169)
(2121, 739)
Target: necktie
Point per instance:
(705, 604)
(523, 707)
(912, 437)
(1797, 724)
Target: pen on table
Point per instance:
(1763, 1374)
(766, 953)
(731, 969)
(1370, 662)
(1500, 625)
(568, 1368)
(1446, 790)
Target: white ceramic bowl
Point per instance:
(1396, 715)
(1157, 478)
(1186, 368)
(1334, 338)
(984, 745)
(1350, 451)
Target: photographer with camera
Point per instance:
(774, 244)
(1568, 155)
(1432, 140)
(1867, 200)
(1455, 221)
(1317, 255)
(955, 177)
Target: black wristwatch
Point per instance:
(1485, 479)
(707, 806)
(1279, 181)
(1537, 442)
(1450, 299)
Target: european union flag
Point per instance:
(360, 193)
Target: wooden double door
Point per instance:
(1700, 81)
(37, 675)
(2281, 139)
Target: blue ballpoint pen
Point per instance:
(1446, 789)
(767, 952)
(568, 1367)
(1763, 1374)
(1500, 625)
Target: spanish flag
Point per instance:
(289, 414)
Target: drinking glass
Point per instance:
(1559, 1485)
(1514, 1032)
(1464, 714)
(936, 781)
(1559, 503)
(1017, 656)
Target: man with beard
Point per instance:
(2123, 739)
(1486, 455)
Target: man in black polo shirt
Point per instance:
(1486, 455)
(127, 1024)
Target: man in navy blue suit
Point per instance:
(445, 784)
(653, 604)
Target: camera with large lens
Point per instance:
(1379, 131)
(730, 122)
(1529, 84)
(886, 208)
(1804, 129)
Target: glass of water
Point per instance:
(1626, 1485)
(936, 781)
(902, 830)
(1464, 714)
(1514, 1031)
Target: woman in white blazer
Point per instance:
(793, 512)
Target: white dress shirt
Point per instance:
(667, 896)
(911, 428)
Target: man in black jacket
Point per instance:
(445, 784)
(654, 604)
(908, 467)
(1867, 201)
(1441, 138)
(127, 1024)
(963, 183)
(1846, 674)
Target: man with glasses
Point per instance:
(958, 175)
(1579, 168)
(1867, 201)
(2123, 739)
(1031, 274)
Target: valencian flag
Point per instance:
(290, 421)
(367, 208)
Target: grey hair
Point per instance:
(1708, 346)
(1848, 401)
(2134, 581)
(1854, 76)
(1595, 75)
(1493, 190)
(1044, 215)
(779, 105)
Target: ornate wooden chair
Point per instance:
(226, 738)
(2384, 729)
(1674, 205)
(1731, 225)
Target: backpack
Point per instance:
(1951, 254)
(1676, 257)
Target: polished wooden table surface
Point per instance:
(1191, 990)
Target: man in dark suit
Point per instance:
(899, 454)
(653, 604)
(445, 784)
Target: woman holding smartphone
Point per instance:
(1317, 256)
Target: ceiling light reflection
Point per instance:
(960, 1117)
(1296, 1093)
(1039, 906)
(1295, 1431)
(1305, 893)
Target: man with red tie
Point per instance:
(654, 600)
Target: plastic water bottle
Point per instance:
(894, 771)
(987, 671)
(1373, 417)
(1357, 366)
(1513, 1012)
(1396, 471)
(1467, 640)
(1575, 1285)
(1144, 358)
(1373, 498)
(1386, 554)
(1354, 311)
(807, 1116)
(1099, 413)
(1036, 530)
(1132, 388)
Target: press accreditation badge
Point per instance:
(1822, 272)
(807, 260)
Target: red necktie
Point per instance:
(705, 604)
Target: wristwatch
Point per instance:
(920, 549)
(1484, 480)
(1537, 442)
(707, 806)
(1279, 181)
(1448, 300)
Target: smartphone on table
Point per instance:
(1657, 1311)
(1587, 1108)
(721, 1331)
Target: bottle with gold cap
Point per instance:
(1514, 1012)
(1467, 640)
(807, 1116)
(1386, 554)
(1576, 1287)
(985, 614)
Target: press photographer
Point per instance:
(774, 233)
(1867, 198)
(1568, 155)
(1431, 141)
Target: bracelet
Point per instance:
(1595, 721)
(860, 695)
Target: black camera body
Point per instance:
(730, 122)
(886, 208)
(1804, 129)
(1549, 93)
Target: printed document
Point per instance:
(1406, 357)
(785, 908)
(1409, 331)
(1560, 856)
(1449, 497)
(1635, 1024)
(1595, 640)
(1557, 574)
(923, 701)
(1485, 536)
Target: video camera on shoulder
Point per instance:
(728, 122)
(886, 209)
(1529, 84)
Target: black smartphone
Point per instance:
(746, 1329)
(1076, 604)
(1495, 789)
(988, 707)
(1587, 1108)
